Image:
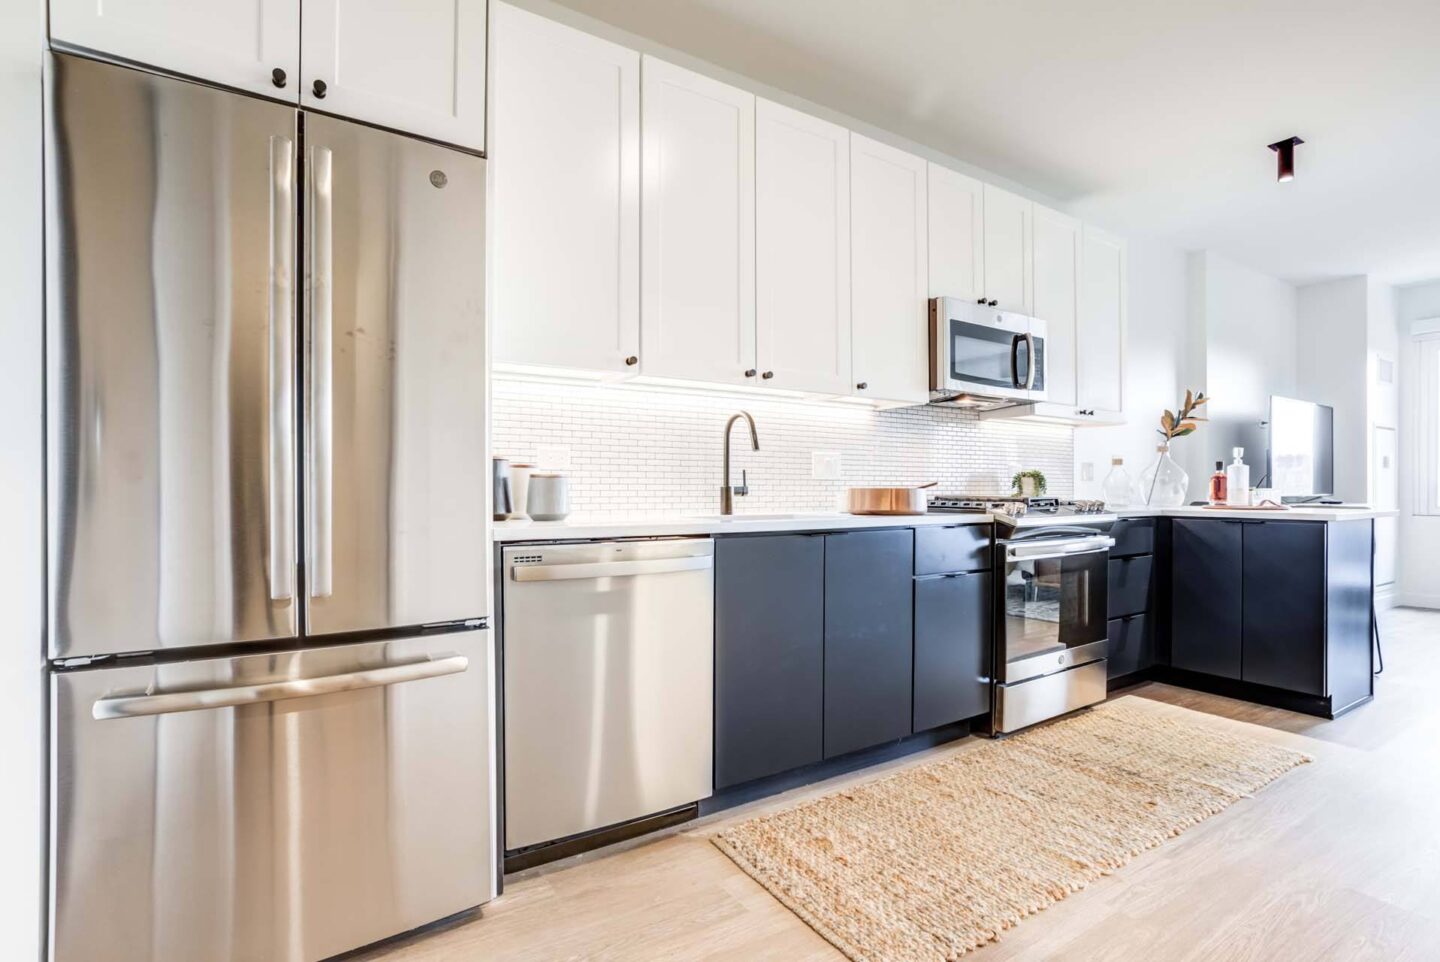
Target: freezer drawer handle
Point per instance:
(169, 702)
(609, 569)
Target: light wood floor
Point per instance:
(1338, 860)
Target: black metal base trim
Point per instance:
(524, 858)
(818, 772)
(1317, 705)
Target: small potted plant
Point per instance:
(1029, 483)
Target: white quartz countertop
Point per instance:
(1357, 512)
(579, 528)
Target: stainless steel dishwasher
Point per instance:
(609, 668)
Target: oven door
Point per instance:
(1054, 604)
(979, 350)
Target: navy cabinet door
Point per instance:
(953, 619)
(1285, 605)
(868, 638)
(1205, 599)
(769, 655)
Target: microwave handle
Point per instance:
(1029, 361)
(1015, 360)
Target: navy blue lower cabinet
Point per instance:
(1205, 596)
(868, 638)
(954, 619)
(1131, 645)
(769, 655)
(1130, 585)
(1284, 607)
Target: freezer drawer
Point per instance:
(335, 797)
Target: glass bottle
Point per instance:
(1237, 478)
(1164, 484)
(1217, 484)
(1118, 486)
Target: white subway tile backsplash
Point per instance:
(638, 450)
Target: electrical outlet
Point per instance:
(555, 457)
(1087, 470)
(825, 465)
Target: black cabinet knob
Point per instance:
(768, 375)
(750, 372)
(979, 300)
(993, 303)
(320, 89)
(631, 361)
(277, 77)
(862, 386)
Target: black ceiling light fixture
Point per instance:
(1286, 159)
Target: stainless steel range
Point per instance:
(1051, 571)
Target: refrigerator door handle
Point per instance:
(166, 703)
(321, 449)
(282, 370)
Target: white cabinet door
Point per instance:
(1007, 249)
(417, 66)
(802, 251)
(1100, 329)
(1056, 276)
(888, 269)
(957, 234)
(697, 256)
(236, 43)
(565, 197)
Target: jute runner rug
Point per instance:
(932, 862)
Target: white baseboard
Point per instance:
(1412, 599)
(1388, 596)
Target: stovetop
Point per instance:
(1018, 511)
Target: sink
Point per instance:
(767, 517)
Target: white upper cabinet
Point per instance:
(957, 234)
(697, 262)
(565, 197)
(802, 251)
(1008, 226)
(1101, 325)
(1056, 275)
(252, 45)
(417, 66)
(889, 265)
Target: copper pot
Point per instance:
(909, 499)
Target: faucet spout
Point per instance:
(727, 490)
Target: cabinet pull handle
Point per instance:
(768, 375)
(631, 361)
(862, 386)
(277, 77)
(319, 89)
(750, 372)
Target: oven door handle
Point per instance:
(1058, 549)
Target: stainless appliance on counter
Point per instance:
(608, 651)
(983, 357)
(266, 534)
(1052, 592)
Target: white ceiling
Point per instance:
(1148, 116)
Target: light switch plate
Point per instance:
(825, 465)
(1087, 470)
(555, 457)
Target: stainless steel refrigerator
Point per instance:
(269, 665)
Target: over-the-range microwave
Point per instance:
(981, 356)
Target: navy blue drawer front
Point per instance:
(1130, 585)
(954, 622)
(1131, 645)
(1133, 536)
(964, 547)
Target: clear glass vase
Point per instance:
(1164, 484)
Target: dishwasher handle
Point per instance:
(610, 569)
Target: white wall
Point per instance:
(1331, 355)
(1419, 534)
(21, 499)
